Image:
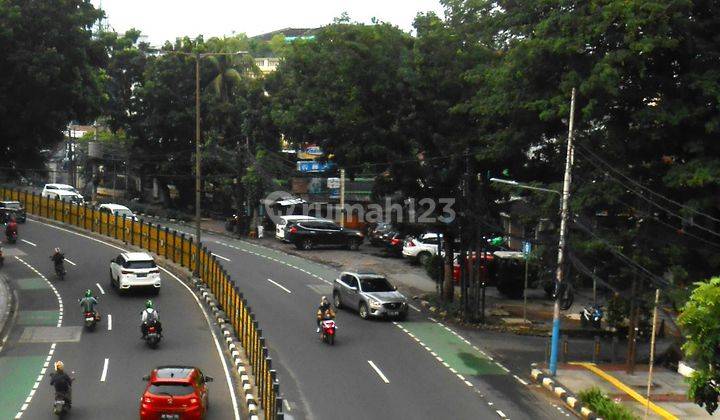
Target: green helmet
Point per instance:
(148, 303)
(88, 293)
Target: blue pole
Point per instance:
(554, 346)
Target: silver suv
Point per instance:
(370, 294)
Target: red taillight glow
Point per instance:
(411, 243)
(148, 400)
(152, 329)
(394, 241)
(293, 229)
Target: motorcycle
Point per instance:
(91, 320)
(152, 338)
(327, 331)
(60, 407)
(591, 315)
(60, 271)
(11, 237)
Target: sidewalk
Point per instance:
(668, 390)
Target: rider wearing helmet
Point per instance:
(57, 257)
(88, 303)
(62, 383)
(150, 316)
(324, 312)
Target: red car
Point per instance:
(175, 392)
(488, 257)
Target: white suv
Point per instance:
(54, 187)
(134, 269)
(420, 249)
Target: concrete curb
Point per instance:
(7, 311)
(560, 391)
(234, 348)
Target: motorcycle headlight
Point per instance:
(374, 304)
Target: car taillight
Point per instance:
(395, 241)
(148, 400)
(293, 229)
(193, 400)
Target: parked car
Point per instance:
(394, 242)
(376, 232)
(134, 270)
(175, 392)
(308, 234)
(65, 195)
(118, 211)
(487, 257)
(283, 220)
(370, 294)
(422, 248)
(14, 208)
(54, 187)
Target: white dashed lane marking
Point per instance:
(280, 286)
(379, 372)
(28, 242)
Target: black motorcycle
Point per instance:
(60, 271)
(153, 335)
(591, 315)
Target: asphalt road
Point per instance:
(109, 363)
(416, 369)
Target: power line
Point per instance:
(617, 171)
(650, 201)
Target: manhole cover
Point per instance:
(50, 335)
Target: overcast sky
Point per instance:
(163, 20)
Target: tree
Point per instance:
(51, 75)
(699, 322)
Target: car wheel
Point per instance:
(354, 244)
(112, 281)
(423, 258)
(306, 244)
(337, 301)
(364, 314)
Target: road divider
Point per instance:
(378, 371)
(280, 286)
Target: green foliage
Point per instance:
(51, 75)
(603, 406)
(432, 267)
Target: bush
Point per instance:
(432, 267)
(604, 406)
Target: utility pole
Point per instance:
(198, 184)
(563, 233)
(342, 197)
(652, 350)
(632, 328)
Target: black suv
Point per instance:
(12, 208)
(307, 234)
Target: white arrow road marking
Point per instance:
(28, 242)
(100, 287)
(280, 286)
(379, 372)
(104, 372)
(109, 322)
(221, 257)
(70, 262)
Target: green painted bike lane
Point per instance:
(20, 363)
(458, 354)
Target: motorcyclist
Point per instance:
(88, 303)
(58, 258)
(324, 312)
(150, 316)
(62, 383)
(11, 227)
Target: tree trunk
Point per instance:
(448, 284)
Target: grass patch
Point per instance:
(603, 406)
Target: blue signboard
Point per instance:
(312, 166)
(527, 247)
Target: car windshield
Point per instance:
(174, 389)
(379, 284)
(140, 264)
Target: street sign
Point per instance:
(527, 247)
(333, 183)
(313, 166)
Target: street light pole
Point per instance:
(563, 234)
(198, 184)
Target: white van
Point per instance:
(54, 187)
(118, 211)
(283, 220)
(65, 195)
